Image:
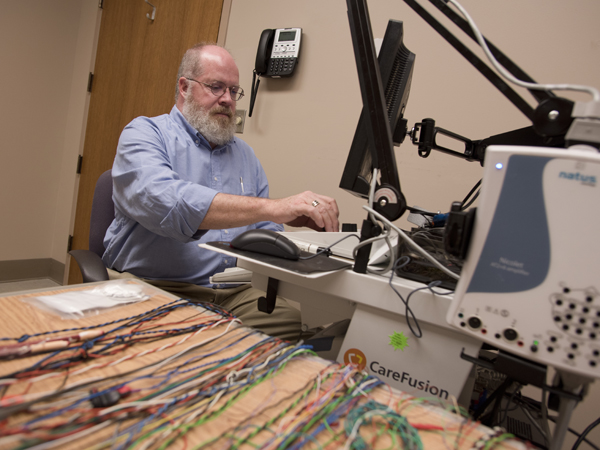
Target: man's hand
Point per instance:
(309, 210)
(302, 210)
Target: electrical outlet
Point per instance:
(240, 120)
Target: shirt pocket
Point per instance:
(247, 189)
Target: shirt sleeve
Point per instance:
(149, 191)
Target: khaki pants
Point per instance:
(283, 322)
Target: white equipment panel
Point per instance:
(530, 283)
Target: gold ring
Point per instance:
(315, 203)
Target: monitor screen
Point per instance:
(385, 86)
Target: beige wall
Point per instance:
(46, 53)
(302, 127)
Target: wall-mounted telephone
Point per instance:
(278, 52)
(276, 57)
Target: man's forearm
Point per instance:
(231, 211)
(301, 210)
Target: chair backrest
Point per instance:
(103, 213)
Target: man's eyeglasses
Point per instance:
(218, 89)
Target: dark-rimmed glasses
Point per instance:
(218, 89)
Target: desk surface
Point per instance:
(188, 377)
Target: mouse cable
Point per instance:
(327, 250)
(412, 243)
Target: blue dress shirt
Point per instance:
(165, 176)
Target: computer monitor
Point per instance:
(385, 86)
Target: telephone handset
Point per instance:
(276, 57)
(265, 44)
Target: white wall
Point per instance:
(46, 53)
(302, 127)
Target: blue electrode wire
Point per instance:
(119, 386)
(173, 305)
(228, 386)
(118, 339)
(134, 320)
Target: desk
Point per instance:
(379, 334)
(220, 385)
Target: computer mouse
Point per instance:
(267, 242)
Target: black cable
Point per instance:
(511, 399)
(327, 250)
(572, 431)
(463, 204)
(582, 436)
(253, 91)
(535, 406)
(494, 398)
(399, 264)
(463, 207)
(516, 399)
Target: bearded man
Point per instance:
(183, 178)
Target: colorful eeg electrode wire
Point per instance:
(158, 404)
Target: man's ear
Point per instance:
(183, 85)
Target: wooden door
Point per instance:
(136, 66)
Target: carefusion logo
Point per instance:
(354, 357)
(357, 358)
(586, 180)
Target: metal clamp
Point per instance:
(267, 304)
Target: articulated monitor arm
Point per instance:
(424, 134)
(557, 122)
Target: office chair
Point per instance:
(103, 212)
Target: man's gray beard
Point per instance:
(216, 129)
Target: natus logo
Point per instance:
(587, 180)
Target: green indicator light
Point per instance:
(535, 342)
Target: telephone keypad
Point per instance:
(281, 66)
